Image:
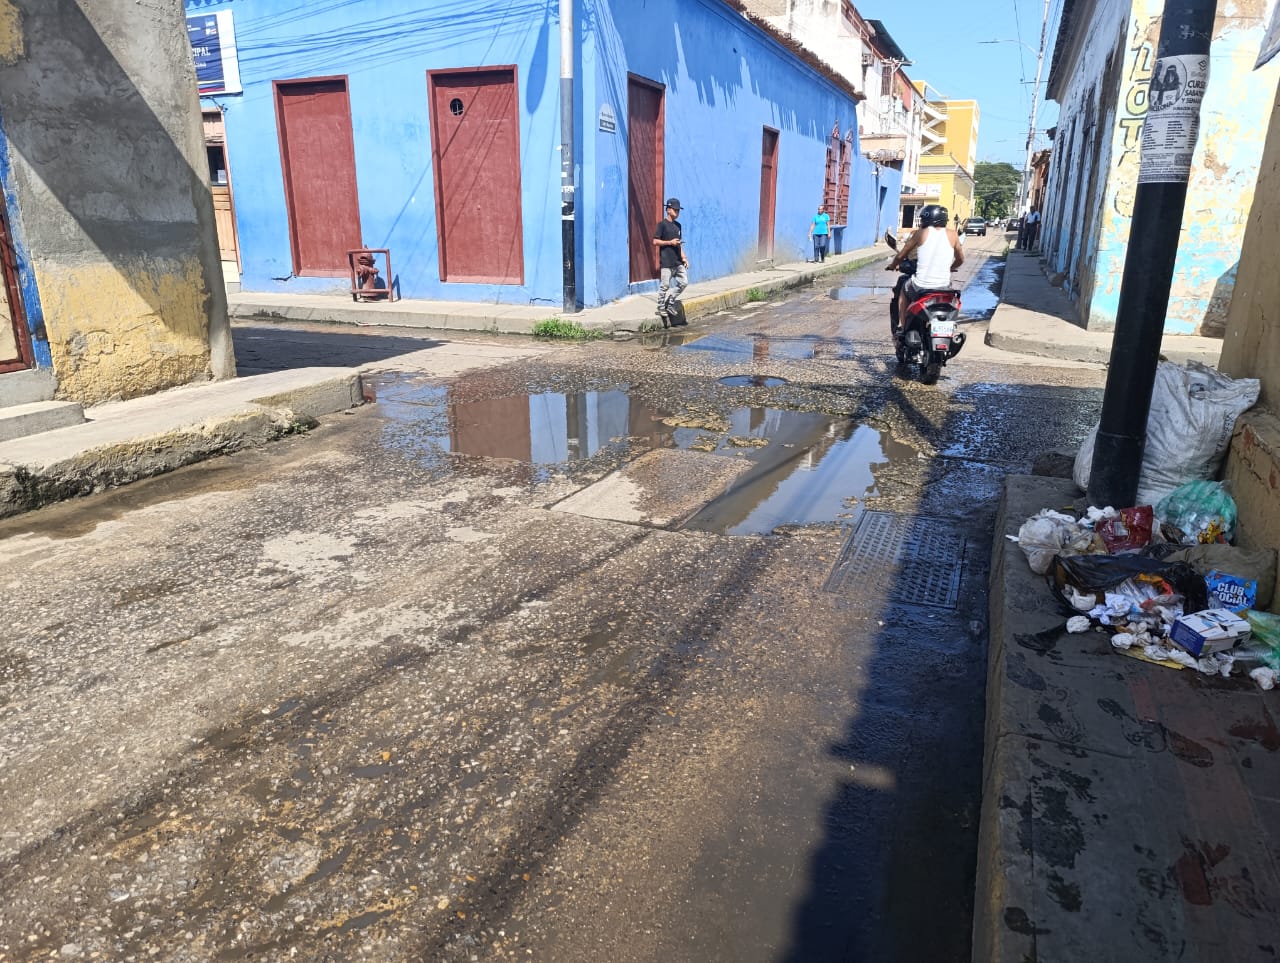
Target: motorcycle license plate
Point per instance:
(943, 329)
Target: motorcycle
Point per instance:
(930, 336)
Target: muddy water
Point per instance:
(807, 467)
(763, 347)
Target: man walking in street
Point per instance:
(673, 265)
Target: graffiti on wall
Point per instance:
(1137, 89)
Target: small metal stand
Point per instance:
(367, 282)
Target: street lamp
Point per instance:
(1025, 188)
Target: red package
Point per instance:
(1128, 531)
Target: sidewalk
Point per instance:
(625, 315)
(1036, 318)
(1130, 812)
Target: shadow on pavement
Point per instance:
(262, 348)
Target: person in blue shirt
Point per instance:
(820, 232)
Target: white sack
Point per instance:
(1193, 413)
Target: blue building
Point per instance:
(433, 131)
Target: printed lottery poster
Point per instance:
(1173, 118)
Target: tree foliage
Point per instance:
(995, 188)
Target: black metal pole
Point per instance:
(1168, 142)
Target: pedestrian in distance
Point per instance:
(820, 233)
(1033, 228)
(668, 238)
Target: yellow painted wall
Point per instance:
(12, 46)
(962, 132)
(955, 191)
(124, 330)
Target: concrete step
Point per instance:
(19, 421)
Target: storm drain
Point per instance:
(916, 559)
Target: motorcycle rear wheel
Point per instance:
(931, 368)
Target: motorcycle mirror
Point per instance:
(890, 240)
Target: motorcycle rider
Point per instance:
(938, 252)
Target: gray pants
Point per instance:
(671, 284)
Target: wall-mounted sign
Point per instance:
(608, 122)
(213, 44)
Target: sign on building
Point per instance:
(213, 44)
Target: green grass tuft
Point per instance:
(565, 330)
(755, 294)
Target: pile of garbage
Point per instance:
(1163, 579)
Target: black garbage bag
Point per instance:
(1097, 573)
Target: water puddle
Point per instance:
(752, 381)
(805, 467)
(855, 291)
(764, 347)
(982, 294)
(813, 469)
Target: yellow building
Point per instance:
(947, 161)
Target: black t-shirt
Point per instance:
(669, 254)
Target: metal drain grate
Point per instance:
(918, 560)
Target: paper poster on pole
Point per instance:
(1173, 118)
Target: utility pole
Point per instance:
(1169, 131)
(568, 193)
(1024, 202)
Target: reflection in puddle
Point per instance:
(762, 347)
(981, 295)
(814, 469)
(855, 291)
(806, 467)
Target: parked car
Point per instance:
(975, 225)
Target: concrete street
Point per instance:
(670, 648)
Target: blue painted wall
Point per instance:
(26, 278)
(725, 80)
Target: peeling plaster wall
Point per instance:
(1087, 140)
(1251, 349)
(102, 122)
(1091, 195)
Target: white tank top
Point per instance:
(934, 257)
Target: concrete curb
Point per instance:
(623, 317)
(75, 461)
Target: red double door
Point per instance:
(476, 156)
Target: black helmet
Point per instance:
(933, 215)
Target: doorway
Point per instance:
(15, 339)
(768, 190)
(644, 173)
(475, 133)
(224, 216)
(319, 159)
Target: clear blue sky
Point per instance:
(943, 41)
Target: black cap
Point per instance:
(673, 202)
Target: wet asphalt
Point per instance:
(378, 692)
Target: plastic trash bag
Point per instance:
(1097, 573)
(1193, 413)
(1201, 511)
(1048, 533)
(1127, 530)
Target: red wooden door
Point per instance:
(15, 339)
(644, 174)
(768, 190)
(319, 161)
(475, 133)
